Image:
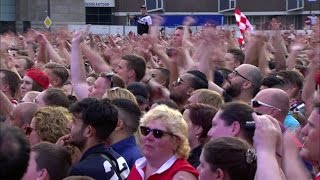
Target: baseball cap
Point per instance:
(143, 7)
(140, 91)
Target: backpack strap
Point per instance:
(111, 160)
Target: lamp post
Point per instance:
(48, 8)
(48, 12)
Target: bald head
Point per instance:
(275, 97)
(23, 113)
(253, 74)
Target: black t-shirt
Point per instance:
(142, 23)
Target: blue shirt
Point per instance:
(128, 149)
(290, 122)
(94, 165)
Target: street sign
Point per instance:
(47, 22)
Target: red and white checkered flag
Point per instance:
(243, 24)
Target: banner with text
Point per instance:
(99, 3)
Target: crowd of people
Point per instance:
(192, 105)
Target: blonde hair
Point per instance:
(32, 95)
(51, 123)
(117, 92)
(65, 112)
(209, 97)
(175, 124)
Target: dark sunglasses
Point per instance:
(29, 130)
(157, 133)
(255, 103)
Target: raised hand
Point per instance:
(62, 36)
(188, 21)
(41, 39)
(267, 134)
(299, 44)
(77, 37)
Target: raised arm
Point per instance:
(209, 56)
(52, 53)
(263, 59)
(6, 105)
(252, 49)
(96, 61)
(310, 83)
(78, 75)
(279, 53)
(266, 137)
(298, 45)
(279, 46)
(292, 164)
(62, 43)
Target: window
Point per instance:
(154, 5)
(226, 5)
(99, 15)
(293, 5)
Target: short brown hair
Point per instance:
(201, 115)
(56, 97)
(230, 155)
(240, 112)
(210, 97)
(55, 159)
(237, 54)
(58, 70)
(12, 79)
(137, 63)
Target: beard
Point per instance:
(176, 97)
(233, 90)
(78, 140)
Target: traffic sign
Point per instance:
(47, 22)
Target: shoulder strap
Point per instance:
(113, 163)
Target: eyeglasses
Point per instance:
(157, 133)
(255, 103)
(235, 72)
(29, 130)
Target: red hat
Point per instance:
(38, 76)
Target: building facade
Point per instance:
(18, 15)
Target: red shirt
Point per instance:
(178, 165)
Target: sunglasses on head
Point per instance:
(29, 130)
(110, 76)
(180, 81)
(255, 103)
(157, 133)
